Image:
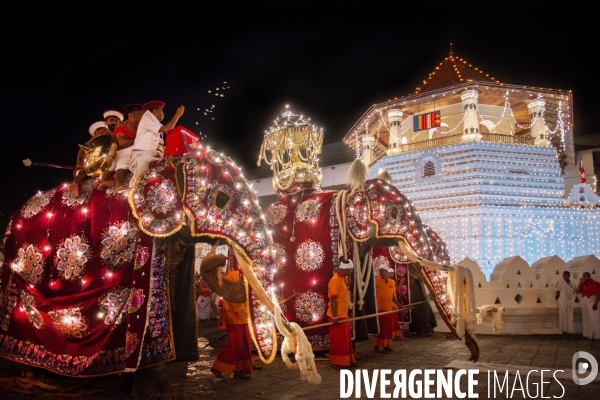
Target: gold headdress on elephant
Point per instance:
(291, 147)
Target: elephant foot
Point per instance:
(473, 347)
(152, 384)
(74, 190)
(105, 185)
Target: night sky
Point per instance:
(328, 60)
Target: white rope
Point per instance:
(497, 322)
(340, 211)
(462, 295)
(362, 274)
(298, 344)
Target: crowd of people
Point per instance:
(138, 133)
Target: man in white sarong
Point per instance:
(565, 294)
(590, 295)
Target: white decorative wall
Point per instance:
(527, 293)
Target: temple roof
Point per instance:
(453, 70)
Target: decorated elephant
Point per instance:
(103, 283)
(370, 223)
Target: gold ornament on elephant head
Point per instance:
(291, 147)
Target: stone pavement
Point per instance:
(275, 381)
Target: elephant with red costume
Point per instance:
(102, 283)
(371, 222)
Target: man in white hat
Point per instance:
(341, 352)
(124, 135)
(112, 118)
(96, 129)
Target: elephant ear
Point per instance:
(357, 214)
(155, 201)
(220, 202)
(394, 216)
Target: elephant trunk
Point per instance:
(408, 252)
(463, 334)
(252, 280)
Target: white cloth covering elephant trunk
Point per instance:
(461, 291)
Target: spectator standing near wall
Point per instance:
(590, 295)
(565, 294)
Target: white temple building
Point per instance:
(497, 177)
(493, 169)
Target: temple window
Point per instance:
(428, 169)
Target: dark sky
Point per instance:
(327, 60)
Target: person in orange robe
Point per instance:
(385, 292)
(236, 356)
(398, 335)
(341, 352)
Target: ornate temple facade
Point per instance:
(489, 166)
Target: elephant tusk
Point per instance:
(256, 286)
(412, 256)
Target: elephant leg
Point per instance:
(423, 320)
(183, 311)
(151, 384)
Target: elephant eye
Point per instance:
(221, 199)
(394, 212)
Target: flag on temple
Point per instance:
(581, 169)
(426, 121)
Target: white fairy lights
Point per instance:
(291, 147)
(375, 121)
(490, 201)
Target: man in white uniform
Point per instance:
(149, 144)
(565, 294)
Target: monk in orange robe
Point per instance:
(341, 352)
(385, 292)
(236, 356)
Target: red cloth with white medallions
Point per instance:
(307, 251)
(78, 278)
(84, 290)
